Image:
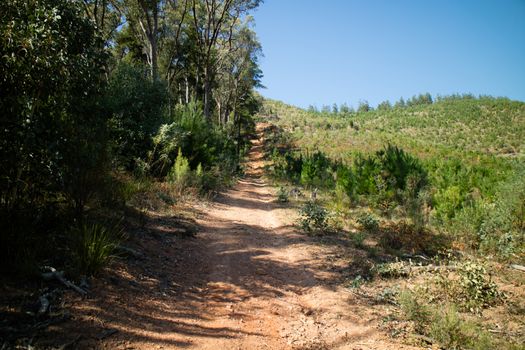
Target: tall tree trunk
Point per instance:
(187, 89)
(207, 93)
(150, 30)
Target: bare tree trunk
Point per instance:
(207, 94)
(150, 31)
(187, 89)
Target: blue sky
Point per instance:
(321, 52)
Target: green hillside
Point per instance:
(479, 127)
(471, 151)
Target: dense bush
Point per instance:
(200, 142)
(368, 222)
(316, 170)
(346, 182)
(397, 166)
(314, 218)
(137, 105)
(85, 108)
(497, 225)
(53, 143)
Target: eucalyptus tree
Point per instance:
(106, 16)
(237, 72)
(214, 23)
(143, 18)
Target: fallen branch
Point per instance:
(417, 256)
(59, 276)
(518, 267)
(435, 267)
(44, 304)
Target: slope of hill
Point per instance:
(431, 195)
(473, 151)
(486, 126)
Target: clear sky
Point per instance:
(325, 51)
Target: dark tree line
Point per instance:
(91, 88)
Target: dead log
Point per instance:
(416, 256)
(434, 267)
(53, 274)
(518, 267)
(44, 304)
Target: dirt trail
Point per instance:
(247, 281)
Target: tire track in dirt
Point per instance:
(265, 281)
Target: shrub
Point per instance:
(346, 182)
(180, 172)
(444, 325)
(391, 270)
(282, 195)
(369, 222)
(366, 170)
(452, 332)
(358, 239)
(316, 170)
(414, 310)
(314, 218)
(476, 287)
(397, 166)
(93, 246)
(503, 228)
(137, 107)
(53, 144)
(200, 142)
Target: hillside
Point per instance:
(485, 126)
(432, 195)
(470, 149)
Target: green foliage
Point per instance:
(316, 170)
(414, 310)
(444, 325)
(53, 144)
(93, 247)
(367, 171)
(454, 333)
(199, 141)
(74, 117)
(503, 230)
(358, 239)
(368, 221)
(452, 159)
(282, 195)
(180, 172)
(346, 182)
(496, 226)
(391, 270)
(471, 288)
(476, 288)
(137, 106)
(287, 166)
(397, 166)
(314, 218)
